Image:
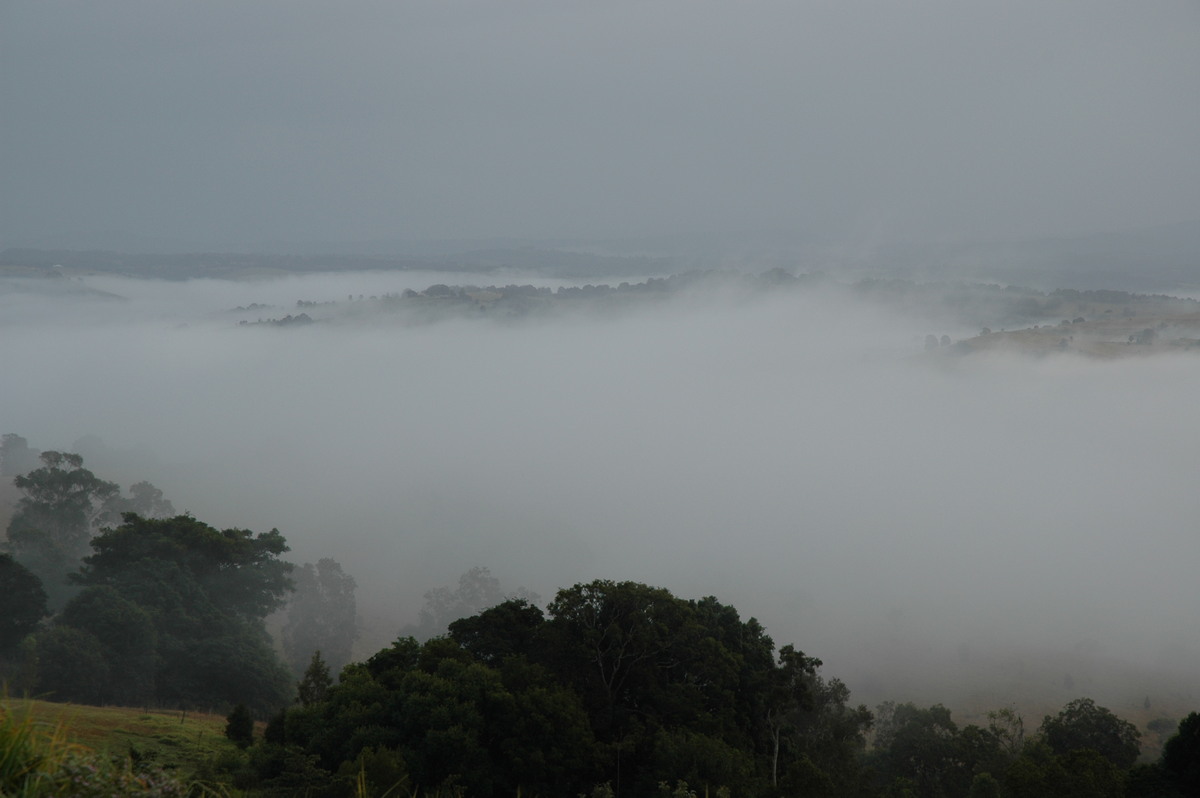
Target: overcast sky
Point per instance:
(230, 121)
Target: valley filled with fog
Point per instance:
(955, 529)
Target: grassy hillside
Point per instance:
(172, 740)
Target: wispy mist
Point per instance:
(794, 454)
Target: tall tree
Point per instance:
(509, 629)
(22, 602)
(314, 687)
(144, 499)
(62, 506)
(1181, 756)
(239, 726)
(1083, 724)
(922, 747)
(477, 590)
(208, 592)
(126, 637)
(620, 638)
(321, 615)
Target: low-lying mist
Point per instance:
(907, 519)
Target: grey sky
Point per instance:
(231, 121)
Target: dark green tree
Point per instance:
(314, 686)
(452, 720)
(1083, 725)
(506, 630)
(664, 679)
(826, 740)
(790, 696)
(239, 726)
(1181, 756)
(1151, 780)
(1081, 773)
(617, 640)
(71, 666)
(127, 641)
(926, 748)
(209, 575)
(22, 602)
(208, 592)
(618, 682)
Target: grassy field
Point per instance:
(167, 739)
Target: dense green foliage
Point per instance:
(1181, 756)
(239, 726)
(623, 688)
(22, 602)
(617, 682)
(126, 643)
(314, 685)
(1082, 724)
(615, 688)
(171, 613)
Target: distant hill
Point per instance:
(1151, 260)
(1165, 258)
(182, 266)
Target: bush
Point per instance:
(239, 726)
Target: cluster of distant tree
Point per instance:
(990, 305)
(964, 304)
(613, 688)
(440, 300)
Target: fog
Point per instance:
(793, 454)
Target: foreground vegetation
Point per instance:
(434, 711)
(611, 688)
(41, 758)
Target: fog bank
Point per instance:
(794, 455)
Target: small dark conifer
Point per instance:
(239, 726)
(314, 686)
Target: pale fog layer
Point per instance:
(914, 523)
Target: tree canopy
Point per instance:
(1082, 724)
(616, 682)
(62, 505)
(22, 601)
(206, 592)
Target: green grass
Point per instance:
(39, 759)
(109, 750)
(171, 739)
